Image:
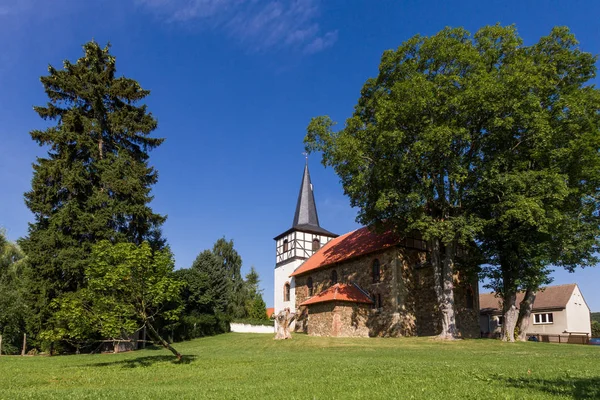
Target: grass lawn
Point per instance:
(248, 366)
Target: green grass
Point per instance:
(248, 366)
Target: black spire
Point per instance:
(306, 210)
(306, 217)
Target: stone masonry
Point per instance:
(408, 302)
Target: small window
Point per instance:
(544, 318)
(286, 292)
(469, 298)
(376, 271)
(316, 244)
(377, 302)
(334, 277)
(286, 245)
(309, 284)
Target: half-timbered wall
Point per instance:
(299, 246)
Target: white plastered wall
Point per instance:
(578, 314)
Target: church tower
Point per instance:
(297, 244)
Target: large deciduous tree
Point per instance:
(539, 187)
(95, 182)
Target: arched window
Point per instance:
(376, 271)
(316, 244)
(286, 245)
(309, 284)
(470, 298)
(286, 292)
(334, 277)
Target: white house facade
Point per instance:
(557, 310)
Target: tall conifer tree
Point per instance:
(95, 182)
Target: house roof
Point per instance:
(306, 218)
(354, 244)
(551, 297)
(339, 292)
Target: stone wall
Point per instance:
(338, 318)
(408, 300)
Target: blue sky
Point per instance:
(234, 84)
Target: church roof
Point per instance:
(306, 218)
(552, 297)
(354, 244)
(340, 292)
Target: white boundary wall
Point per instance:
(246, 328)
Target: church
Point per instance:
(362, 283)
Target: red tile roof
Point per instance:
(340, 292)
(270, 312)
(356, 243)
(551, 297)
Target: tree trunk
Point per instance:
(525, 313)
(443, 272)
(162, 341)
(510, 316)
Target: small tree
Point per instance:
(128, 287)
(255, 305)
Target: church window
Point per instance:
(376, 271)
(377, 303)
(286, 245)
(334, 277)
(316, 244)
(286, 292)
(470, 298)
(309, 284)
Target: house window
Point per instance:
(286, 245)
(334, 277)
(544, 318)
(316, 244)
(286, 292)
(470, 298)
(309, 284)
(376, 271)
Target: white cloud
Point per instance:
(258, 24)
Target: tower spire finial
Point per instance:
(305, 154)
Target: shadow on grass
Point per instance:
(147, 361)
(576, 388)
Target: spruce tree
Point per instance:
(95, 182)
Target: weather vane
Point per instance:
(305, 154)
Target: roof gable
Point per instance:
(340, 292)
(551, 297)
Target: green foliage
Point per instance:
(331, 368)
(13, 312)
(255, 305)
(540, 171)
(215, 293)
(595, 329)
(95, 182)
(128, 287)
(596, 316)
